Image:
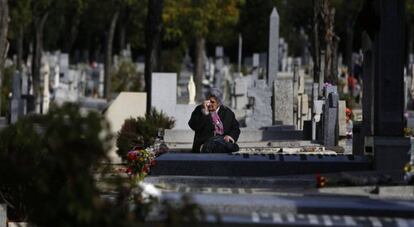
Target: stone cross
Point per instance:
(259, 97)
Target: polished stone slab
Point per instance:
(189, 164)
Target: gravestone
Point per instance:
(283, 99)
(256, 67)
(3, 215)
(260, 115)
(164, 92)
(46, 96)
(304, 110)
(15, 102)
(289, 66)
(316, 119)
(164, 98)
(240, 93)
(101, 80)
(342, 117)
(330, 117)
(64, 64)
(56, 77)
(126, 105)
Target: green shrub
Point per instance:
(46, 169)
(142, 131)
(48, 165)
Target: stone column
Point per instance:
(390, 147)
(273, 54)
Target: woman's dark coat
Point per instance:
(204, 129)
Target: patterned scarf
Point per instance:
(218, 125)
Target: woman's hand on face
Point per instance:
(206, 103)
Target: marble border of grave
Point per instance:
(256, 165)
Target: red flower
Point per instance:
(153, 163)
(320, 181)
(145, 169)
(128, 170)
(132, 156)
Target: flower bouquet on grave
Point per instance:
(139, 163)
(409, 173)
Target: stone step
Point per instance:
(262, 144)
(246, 135)
(258, 205)
(206, 183)
(292, 219)
(188, 164)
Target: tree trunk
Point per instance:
(108, 57)
(199, 67)
(316, 46)
(328, 14)
(152, 41)
(410, 40)
(20, 38)
(122, 29)
(349, 35)
(122, 34)
(73, 34)
(4, 25)
(37, 58)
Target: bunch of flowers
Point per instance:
(139, 162)
(409, 173)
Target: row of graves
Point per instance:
(292, 124)
(61, 82)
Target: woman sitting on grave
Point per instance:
(215, 125)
